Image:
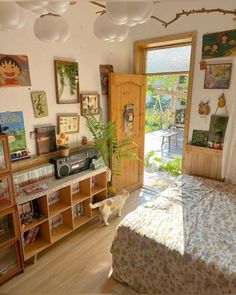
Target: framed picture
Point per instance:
(45, 139)
(219, 44)
(39, 101)
(66, 81)
(14, 70)
(217, 76)
(89, 103)
(104, 76)
(200, 137)
(218, 125)
(67, 123)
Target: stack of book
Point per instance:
(30, 236)
(78, 210)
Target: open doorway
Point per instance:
(167, 72)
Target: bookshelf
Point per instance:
(63, 207)
(11, 261)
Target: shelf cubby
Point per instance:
(80, 191)
(63, 228)
(42, 240)
(61, 201)
(98, 183)
(85, 213)
(8, 260)
(7, 229)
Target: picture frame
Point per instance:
(17, 73)
(89, 103)
(66, 81)
(39, 102)
(105, 70)
(200, 137)
(67, 123)
(217, 76)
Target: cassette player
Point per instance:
(74, 163)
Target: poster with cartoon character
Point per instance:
(12, 123)
(14, 70)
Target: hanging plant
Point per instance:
(68, 73)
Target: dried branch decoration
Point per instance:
(178, 15)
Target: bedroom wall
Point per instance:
(206, 23)
(82, 47)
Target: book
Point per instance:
(35, 187)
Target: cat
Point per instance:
(108, 206)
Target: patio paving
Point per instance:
(159, 180)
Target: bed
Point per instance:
(183, 241)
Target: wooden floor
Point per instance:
(79, 264)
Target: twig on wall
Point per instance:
(180, 14)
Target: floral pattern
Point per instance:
(184, 241)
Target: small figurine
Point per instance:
(203, 108)
(221, 101)
(84, 140)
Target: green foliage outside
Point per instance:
(158, 108)
(173, 166)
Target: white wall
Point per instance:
(82, 47)
(204, 23)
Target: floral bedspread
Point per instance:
(184, 241)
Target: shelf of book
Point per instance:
(8, 259)
(60, 209)
(33, 223)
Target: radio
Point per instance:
(74, 163)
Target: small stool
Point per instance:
(168, 135)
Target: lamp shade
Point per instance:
(35, 6)
(11, 16)
(129, 12)
(51, 28)
(105, 30)
(42, 7)
(58, 6)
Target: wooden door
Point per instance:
(127, 95)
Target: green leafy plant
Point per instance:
(110, 148)
(70, 72)
(173, 166)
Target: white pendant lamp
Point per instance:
(11, 16)
(35, 6)
(58, 7)
(105, 30)
(129, 12)
(43, 7)
(51, 28)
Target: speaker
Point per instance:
(62, 167)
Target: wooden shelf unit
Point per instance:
(64, 207)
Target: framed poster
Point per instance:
(89, 103)
(66, 81)
(217, 76)
(12, 124)
(39, 101)
(200, 137)
(67, 123)
(14, 70)
(104, 76)
(219, 44)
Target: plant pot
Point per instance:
(65, 151)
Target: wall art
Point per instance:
(89, 103)
(12, 124)
(66, 81)
(14, 70)
(217, 76)
(200, 137)
(104, 76)
(67, 123)
(219, 44)
(39, 101)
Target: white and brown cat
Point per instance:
(108, 206)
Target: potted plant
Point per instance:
(110, 148)
(62, 143)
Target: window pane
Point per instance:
(168, 60)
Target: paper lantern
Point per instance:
(11, 16)
(51, 28)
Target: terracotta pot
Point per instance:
(64, 151)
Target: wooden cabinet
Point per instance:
(63, 206)
(10, 248)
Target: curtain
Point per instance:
(229, 151)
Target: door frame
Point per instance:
(139, 57)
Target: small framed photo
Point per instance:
(66, 81)
(39, 101)
(89, 103)
(67, 123)
(217, 76)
